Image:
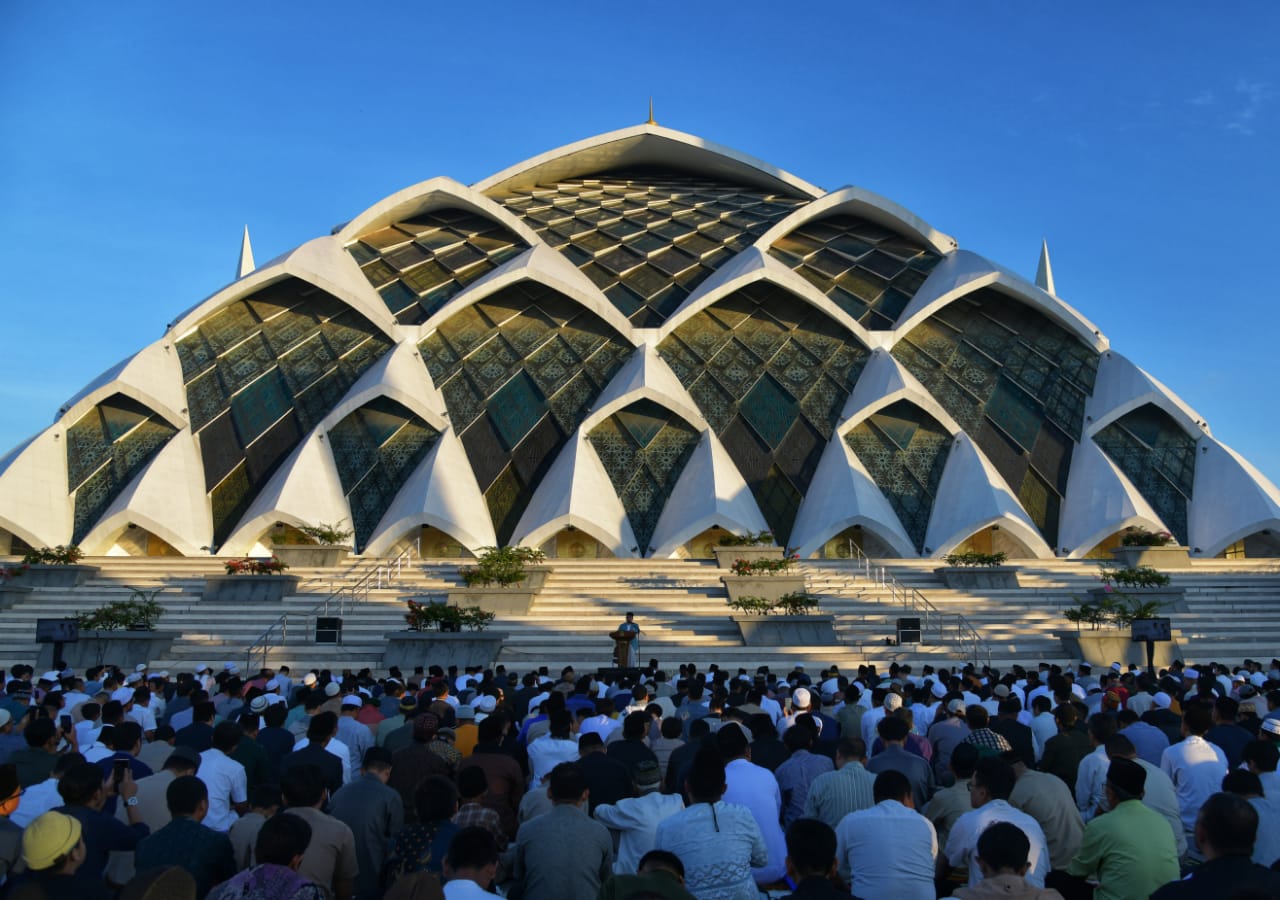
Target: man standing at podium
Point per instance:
(626, 652)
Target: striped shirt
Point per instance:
(834, 795)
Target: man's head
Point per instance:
(377, 762)
(52, 843)
(265, 799)
(303, 785)
(567, 785)
(435, 799)
(1197, 718)
(993, 779)
(473, 784)
(1126, 780)
(1003, 849)
(472, 855)
(706, 781)
(1226, 826)
(892, 785)
(82, 785)
(126, 737)
(893, 730)
(964, 759)
(322, 727)
(1101, 727)
(662, 861)
(850, 750)
(811, 850)
(187, 795)
(226, 736)
(282, 840)
(732, 742)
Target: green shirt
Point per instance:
(1129, 850)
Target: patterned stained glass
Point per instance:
(376, 448)
(1016, 382)
(771, 374)
(867, 270)
(648, 237)
(518, 372)
(418, 264)
(106, 448)
(278, 362)
(644, 448)
(905, 450)
(1159, 457)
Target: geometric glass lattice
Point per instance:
(644, 448)
(518, 371)
(868, 271)
(376, 448)
(1016, 382)
(770, 373)
(1159, 457)
(260, 373)
(417, 264)
(905, 450)
(648, 237)
(106, 448)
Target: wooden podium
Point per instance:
(621, 646)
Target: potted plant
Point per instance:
(750, 546)
(11, 593)
(120, 630)
(503, 580)
(443, 634)
(250, 579)
(1126, 595)
(313, 546)
(1142, 547)
(790, 620)
(56, 567)
(768, 578)
(977, 571)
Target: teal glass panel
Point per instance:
(1159, 457)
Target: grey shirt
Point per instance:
(562, 855)
(374, 813)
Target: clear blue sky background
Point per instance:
(1140, 139)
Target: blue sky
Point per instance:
(137, 139)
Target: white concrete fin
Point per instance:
(709, 491)
(34, 503)
(441, 492)
(164, 499)
(577, 491)
(1100, 501)
(645, 145)
(152, 376)
(841, 495)
(867, 205)
(1230, 500)
(884, 382)
(644, 375)
(401, 376)
(971, 496)
(305, 491)
(1122, 387)
(1044, 271)
(245, 266)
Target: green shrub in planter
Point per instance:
(974, 559)
(327, 534)
(501, 565)
(750, 539)
(140, 612)
(446, 617)
(1137, 536)
(60, 555)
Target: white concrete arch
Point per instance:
(1099, 501)
(841, 495)
(400, 376)
(645, 145)
(1122, 387)
(646, 376)
(428, 196)
(710, 491)
(441, 492)
(856, 201)
(152, 377)
(962, 272)
(34, 501)
(883, 382)
(577, 491)
(543, 266)
(1230, 500)
(971, 496)
(752, 266)
(164, 499)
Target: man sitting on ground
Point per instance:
(1003, 855)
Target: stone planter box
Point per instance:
(1166, 557)
(784, 631)
(1172, 600)
(725, 556)
(311, 556)
(11, 594)
(508, 601)
(125, 648)
(1102, 647)
(962, 578)
(57, 576)
(248, 588)
(442, 648)
(770, 587)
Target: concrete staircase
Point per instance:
(1234, 612)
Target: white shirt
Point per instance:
(143, 716)
(35, 801)
(870, 719)
(1090, 780)
(889, 851)
(1196, 767)
(601, 725)
(773, 708)
(755, 788)
(962, 845)
(546, 753)
(1043, 727)
(338, 749)
(465, 889)
(637, 819)
(225, 778)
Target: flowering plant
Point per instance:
(750, 539)
(1137, 536)
(762, 566)
(60, 555)
(8, 573)
(252, 565)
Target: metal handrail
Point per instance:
(346, 597)
(932, 618)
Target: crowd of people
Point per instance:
(1038, 782)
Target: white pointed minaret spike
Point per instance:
(246, 255)
(1044, 271)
